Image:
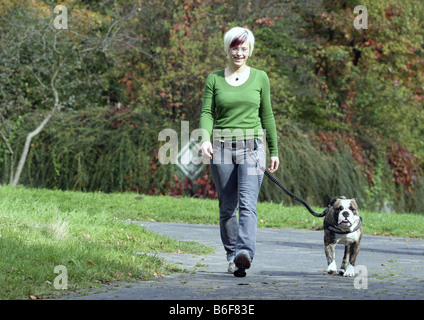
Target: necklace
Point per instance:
(241, 74)
(238, 76)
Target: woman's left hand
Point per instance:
(273, 166)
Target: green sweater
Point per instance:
(240, 112)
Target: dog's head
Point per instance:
(343, 213)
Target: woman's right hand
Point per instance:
(206, 149)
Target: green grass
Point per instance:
(42, 229)
(270, 215)
(89, 234)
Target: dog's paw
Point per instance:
(332, 268)
(349, 272)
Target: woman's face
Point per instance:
(239, 55)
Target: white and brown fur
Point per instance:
(343, 215)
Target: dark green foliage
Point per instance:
(109, 150)
(313, 174)
(347, 103)
(114, 150)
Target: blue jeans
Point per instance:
(238, 179)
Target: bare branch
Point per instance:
(124, 18)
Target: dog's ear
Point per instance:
(333, 201)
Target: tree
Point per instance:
(46, 69)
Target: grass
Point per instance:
(270, 215)
(42, 229)
(88, 233)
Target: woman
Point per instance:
(237, 110)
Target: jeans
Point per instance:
(238, 179)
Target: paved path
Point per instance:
(289, 264)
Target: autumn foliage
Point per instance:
(350, 99)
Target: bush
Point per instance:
(318, 166)
(314, 174)
(110, 150)
(116, 150)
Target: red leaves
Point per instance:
(120, 116)
(403, 164)
(202, 188)
(267, 20)
(206, 189)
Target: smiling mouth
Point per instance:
(345, 221)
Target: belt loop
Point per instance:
(216, 144)
(249, 145)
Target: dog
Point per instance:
(342, 224)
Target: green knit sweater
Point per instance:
(239, 112)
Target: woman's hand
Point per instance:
(206, 149)
(273, 166)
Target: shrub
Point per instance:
(116, 150)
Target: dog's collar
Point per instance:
(340, 231)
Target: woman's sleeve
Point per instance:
(267, 116)
(208, 109)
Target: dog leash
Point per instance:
(319, 215)
(292, 195)
(278, 183)
(295, 197)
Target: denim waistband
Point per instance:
(237, 144)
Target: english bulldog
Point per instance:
(342, 224)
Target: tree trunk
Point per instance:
(10, 157)
(32, 134)
(28, 139)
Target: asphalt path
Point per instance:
(288, 265)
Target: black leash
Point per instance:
(319, 215)
(295, 197)
(278, 183)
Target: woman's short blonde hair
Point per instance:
(236, 36)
